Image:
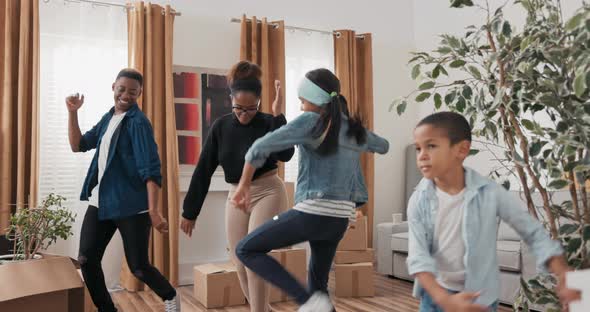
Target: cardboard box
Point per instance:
(354, 280)
(217, 285)
(88, 303)
(290, 186)
(355, 237)
(51, 284)
(293, 260)
(354, 256)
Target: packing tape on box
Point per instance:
(355, 283)
(226, 295)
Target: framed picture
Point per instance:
(201, 95)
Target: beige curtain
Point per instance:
(150, 29)
(19, 105)
(353, 63)
(263, 43)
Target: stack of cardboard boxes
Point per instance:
(217, 285)
(354, 263)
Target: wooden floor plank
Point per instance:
(391, 295)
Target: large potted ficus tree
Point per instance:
(526, 93)
(36, 228)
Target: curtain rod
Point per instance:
(337, 33)
(102, 3)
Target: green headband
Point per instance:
(314, 94)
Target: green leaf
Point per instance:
(558, 184)
(567, 229)
(474, 71)
(461, 104)
(444, 50)
(467, 92)
(506, 185)
(436, 72)
(422, 96)
(580, 84)
(549, 99)
(454, 42)
(586, 233)
(437, 101)
(473, 152)
(401, 108)
(525, 43)
(570, 166)
(427, 85)
(449, 98)
(460, 3)
(457, 63)
(535, 284)
(415, 71)
(570, 150)
(535, 149)
(573, 22)
(573, 245)
(529, 125)
(394, 103)
(544, 300)
(506, 29)
(562, 127)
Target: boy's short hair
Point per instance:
(131, 74)
(455, 125)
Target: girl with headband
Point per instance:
(330, 144)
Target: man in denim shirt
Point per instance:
(122, 186)
(452, 218)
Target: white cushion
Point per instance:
(506, 233)
(399, 242)
(509, 255)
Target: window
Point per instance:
(82, 48)
(304, 51)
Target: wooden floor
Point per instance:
(391, 295)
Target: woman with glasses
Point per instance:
(228, 141)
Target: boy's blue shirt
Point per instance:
(485, 201)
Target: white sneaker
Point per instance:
(172, 305)
(318, 302)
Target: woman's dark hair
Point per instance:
(331, 116)
(245, 76)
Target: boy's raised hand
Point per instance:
(559, 266)
(74, 102)
(566, 295)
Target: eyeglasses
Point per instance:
(241, 110)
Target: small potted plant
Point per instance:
(34, 229)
